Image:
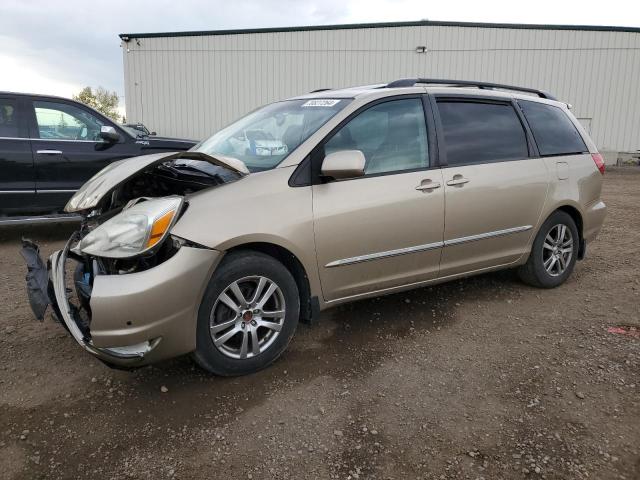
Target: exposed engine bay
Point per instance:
(177, 176)
(144, 195)
(174, 176)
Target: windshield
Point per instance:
(263, 138)
(138, 126)
(135, 133)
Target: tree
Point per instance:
(101, 99)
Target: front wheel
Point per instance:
(553, 254)
(248, 315)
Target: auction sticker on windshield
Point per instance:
(324, 102)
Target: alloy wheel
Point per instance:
(557, 250)
(247, 317)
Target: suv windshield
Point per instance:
(139, 127)
(263, 138)
(134, 132)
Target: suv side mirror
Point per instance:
(343, 164)
(153, 133)
(109, 134)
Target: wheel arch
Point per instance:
(576, 216)
(309, 307)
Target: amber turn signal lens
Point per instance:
(160, 227)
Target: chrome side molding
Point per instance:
(49, 140)
(58, 190)
(482, 236)
(428, 246)
(389, 253)
(32, 220)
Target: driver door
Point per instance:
(384, 229)
(67, 149)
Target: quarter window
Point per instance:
(391, 135)
(61, 121)
(9, 119)
(476, 132)
(552, 129)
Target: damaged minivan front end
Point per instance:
(125, 288)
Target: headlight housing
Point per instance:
(133, 231)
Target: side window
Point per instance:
(552, 129)
(476, 132)
(9, 126)
(391, 135)
(61, 121)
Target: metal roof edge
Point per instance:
(352, 26)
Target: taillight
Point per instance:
(599, 161)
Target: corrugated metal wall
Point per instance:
(190, 86)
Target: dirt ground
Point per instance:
(482, 378)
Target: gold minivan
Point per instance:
(307, 203)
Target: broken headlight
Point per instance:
(135, 230)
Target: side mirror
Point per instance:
(153, 133)
(109, 134)
(343, 164)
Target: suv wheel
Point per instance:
(553, 254)
(248, 315)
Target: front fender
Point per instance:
(262, 208)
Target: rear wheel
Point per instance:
(553, 254)
(248, 315)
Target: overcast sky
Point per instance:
(58, 47)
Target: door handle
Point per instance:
(427, 187)
(457, 180)
(49, 152)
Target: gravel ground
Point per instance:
(482, 378)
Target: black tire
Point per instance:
(236, 266)
(534, 272)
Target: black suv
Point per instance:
(50, 146)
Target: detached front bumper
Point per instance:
(138, 318)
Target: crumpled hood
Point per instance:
(107, 179)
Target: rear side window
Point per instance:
(476, 132)
(552, 129)
(9, 119)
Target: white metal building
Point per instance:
(190, 84)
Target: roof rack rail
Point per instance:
(320, 90)
(410, 82)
